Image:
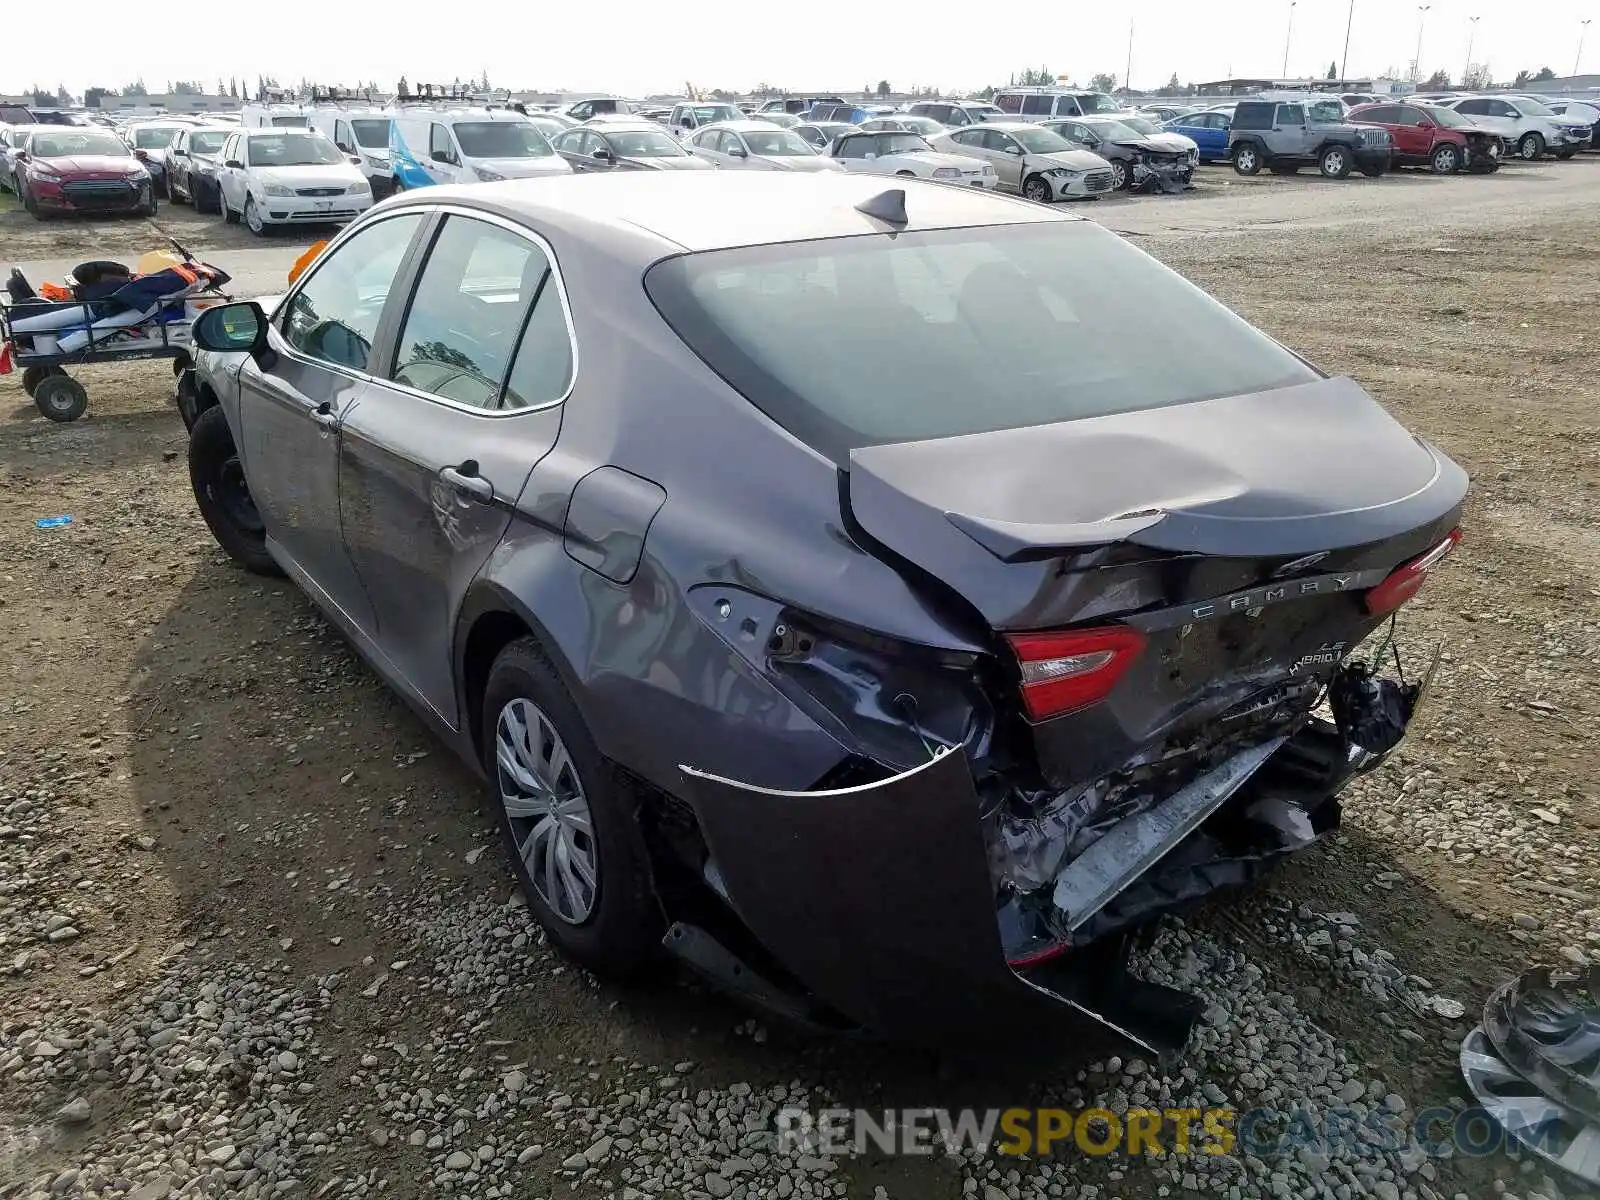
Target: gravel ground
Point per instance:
(257, 935)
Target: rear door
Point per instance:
(434, 455)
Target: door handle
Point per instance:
(465, 478)
(325, 417)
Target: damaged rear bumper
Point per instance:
(878, 900)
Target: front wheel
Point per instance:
(1037, 189)
(176, 194)
(1446, 160)
(568, 820)
(1121, 177)
(1246, 159)
(252, 217)
(1530, 147)
(223, 494)
(1335, 163)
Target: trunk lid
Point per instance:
(1237, 534)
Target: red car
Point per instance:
(1428, 136)
(64, 169)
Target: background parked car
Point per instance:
(11, 137)
(693, 116)
(821, 134)
(1162, 114)
(1031, 160)
(852, 114)
(1160, 138)
(756, 145)
(286, 176)
(468, 146)
(1527, 126)
(192, 163)
(66, 169)
(641, 146)
(956, 113)
(1575, 112)
(783, 120)
(1286, 135)
(1426, 135)
(1130, 152)
(904, 123)
(1040, 102)
(1208, 130)
(150, 141)
(908, 154)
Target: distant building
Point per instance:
(1572, 83)
(172, 102)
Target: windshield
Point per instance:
(501, 139)
(1041, 141)
(898, 143)
(65, 145)
(1099, 102)
(1140, 125)
(293, 150)
(1116, 131)
(705, 114)
(207, 141)
(371, 132)
(940, 333)
(153, 137)
(778, 143)
(1325, 112)
(1450, 120)
(644, 144)
(1532, 108)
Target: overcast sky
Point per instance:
(641, 46)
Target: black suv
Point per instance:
(1286, 135)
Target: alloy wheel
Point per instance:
(1119, 175)
(548, 811)
(252, 216)
(1444, 159)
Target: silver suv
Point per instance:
(1285, 135)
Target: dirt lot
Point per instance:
(294, 967)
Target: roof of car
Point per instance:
(605, 127)
(716, 210)
(742, 126)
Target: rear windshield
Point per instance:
(857, 341)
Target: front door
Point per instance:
(1289, 136)
(442, 157)
(1005, 152)
(322, 341)
(435, 455)
(230, 177)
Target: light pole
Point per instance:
(1472, 34)
(1286, 39)
(1416, 68)
(1344, 60)
(1127, 79)
(1583, 28)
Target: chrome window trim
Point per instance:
(476, 214)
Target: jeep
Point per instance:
(1285, 135)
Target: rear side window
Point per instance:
(1039, 106)
(940, 333)
(467, 312)
(1252, 116)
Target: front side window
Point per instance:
(334, 316)
(941, 333)
(645, 144)
(206, 141)
(462, 326)
(1042, 141)
(1291, 114)
(855, 147)
(293, 150)
(440, 148)
(780, 143)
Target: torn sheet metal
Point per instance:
(1537, 1123)
(1548, 1030)
(1134, 845)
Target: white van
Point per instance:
(363, 135)
(273, 116)
(466, 145)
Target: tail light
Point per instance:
(1406, 581)
(1063, 672)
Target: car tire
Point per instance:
(1334, 162)
(396, 186)
(31, 377)
(1530, 146)
(175, 194)
(229, 217)
(1247, 158)
(150, 209)
(1121, 176)
(222, 494)
(186, 396)
(60, 397)
(1446, 159)
(256, 225)
(611, 923)
(1374, 171)
(1037, 188)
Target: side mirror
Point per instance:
(602, 155)
(232, 328)
(233, 164)
(355, 159)
(142, 155)
(739, 152)
(870, 154)
(441, 156)
(1015, 151)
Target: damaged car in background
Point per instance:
(893, 688)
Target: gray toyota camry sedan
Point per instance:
(838, 587)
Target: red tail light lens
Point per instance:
(1063, 672)
(1406, 581)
